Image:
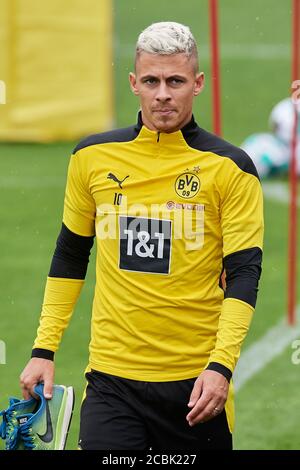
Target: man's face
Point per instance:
(166, 86)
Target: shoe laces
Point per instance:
(27, 436)
(9, 429)
(3, 425)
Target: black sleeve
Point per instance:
(217, 367)
(243, 270)
(71, 256)
(70, 260)
(42, 353)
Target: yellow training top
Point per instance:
(166, 210)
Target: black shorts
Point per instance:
(123, 414)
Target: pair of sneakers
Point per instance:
(38, 424)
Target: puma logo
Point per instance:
(111, 176)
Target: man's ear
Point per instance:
(132, 81)
(199, 83)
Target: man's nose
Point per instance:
(163, 93)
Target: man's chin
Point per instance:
(166, 124)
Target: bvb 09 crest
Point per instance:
(187, 185)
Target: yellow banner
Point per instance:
(56, 64)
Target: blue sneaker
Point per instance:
(9, 428)
(48, 427)
(39, 424)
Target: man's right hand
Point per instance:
(37, 370)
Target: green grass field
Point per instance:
(255, 75)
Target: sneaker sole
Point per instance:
(67, 417)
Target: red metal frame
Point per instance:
(215, 67)
(292, 251)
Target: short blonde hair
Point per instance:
(166, 38)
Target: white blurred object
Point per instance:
(271, 152)
(268, 153)
(282, 123)
(282, 120)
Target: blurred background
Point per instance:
(65, 66)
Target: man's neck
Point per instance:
(152, 127)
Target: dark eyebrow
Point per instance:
(176, 76)
(146, 77)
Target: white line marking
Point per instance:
(228, 51)
(278, 192)
(31, 182)
(263, 351)
(274, 342)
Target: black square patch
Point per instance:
(145, 244)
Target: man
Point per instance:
(172, 206)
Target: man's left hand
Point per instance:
(208, 397)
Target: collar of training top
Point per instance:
(186, 131)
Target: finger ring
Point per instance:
(216, 410)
